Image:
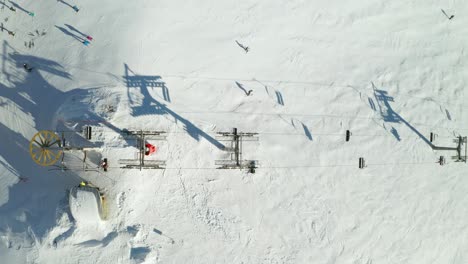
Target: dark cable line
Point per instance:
(299, 115)
(276, 167)
(271, 134)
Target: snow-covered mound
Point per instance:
(85, 205)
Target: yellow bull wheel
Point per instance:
(44, 148)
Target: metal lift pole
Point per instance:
(236, 147)
(460, 141)
(140, 162)
(235, 151)
(140, 143)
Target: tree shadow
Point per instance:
(45, 99)
(151, 105)
(41, 95)
(32, 205)
(37, 200)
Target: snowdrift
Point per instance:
(85, 205)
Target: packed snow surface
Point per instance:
(84, 205)
(390, 72)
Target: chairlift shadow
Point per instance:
(390, 116)
(307, 132)
(152, 106)
(279, 98)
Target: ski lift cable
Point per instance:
(309, 83)
(341, 117)
(273, 134)
(306, 82)
(288, 167)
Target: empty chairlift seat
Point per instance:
(88, 133)
(348, 135)
(362, 163)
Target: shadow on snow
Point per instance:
(149, 103)
(32, 206)
(390, 116)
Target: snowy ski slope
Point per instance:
(391, 72)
